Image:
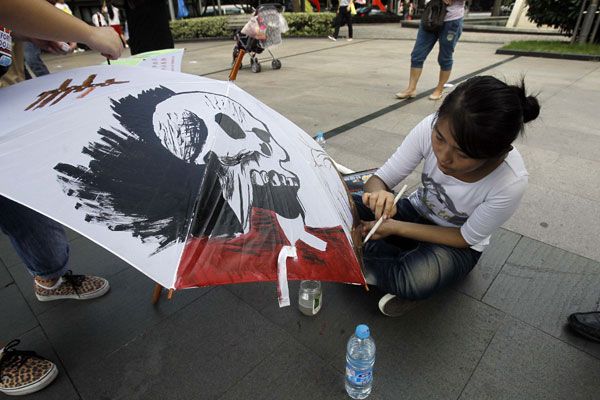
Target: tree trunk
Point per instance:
(588, 21)
(496, 8)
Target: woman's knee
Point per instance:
(427, 270)
(423, 45)
(448, 39)
(446, 59)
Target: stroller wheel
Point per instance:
(276, 64)
(255, 66)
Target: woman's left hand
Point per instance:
(387, 228)
(447, 2)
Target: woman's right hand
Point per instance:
(380, 202)
(107, 41)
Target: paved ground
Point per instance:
(498, 335)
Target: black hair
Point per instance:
(485, 115)
(111, 13)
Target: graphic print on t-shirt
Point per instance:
(439, 203)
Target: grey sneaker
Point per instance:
(69, 286)
(392, 306)
(332, 38)
(24, 372)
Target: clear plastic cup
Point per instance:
(310, 297)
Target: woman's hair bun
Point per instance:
(529, 104)
(531, 109)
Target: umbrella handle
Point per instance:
(236, 65)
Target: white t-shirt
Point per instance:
(478, 208)
(115, 19)
(98, 19)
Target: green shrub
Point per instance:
(309, 24)
(301, 24)
(194, 28)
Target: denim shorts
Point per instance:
(411, 269)
(447, 36)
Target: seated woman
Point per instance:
(472, 182)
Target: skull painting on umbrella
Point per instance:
(192, 181)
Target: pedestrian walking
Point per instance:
(343, 17)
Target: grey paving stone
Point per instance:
(8, 255)
(493, 258)
(5, 278)
(432, 352)
(61, 388)
(82, 331)
(428, 353)
(71, 234)
(85, 258)
(524, 363)
(197, 353)
(343, 307)
(541, 285)
(570, 173)
(291, 371)
(563, 221)
(15, 316)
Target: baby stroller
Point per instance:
(262, 31)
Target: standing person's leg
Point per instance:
(33, 60)
(42, 245)
(448, 38)
(349, 22)
(40, 242)
(337, 23)
(336, 31)
(423, 45)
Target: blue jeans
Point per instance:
(410, 269)
(32, 58)
(447, 36)
(40, 242)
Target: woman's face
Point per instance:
(451, 160)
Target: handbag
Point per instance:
(352, 9)
(432, 19)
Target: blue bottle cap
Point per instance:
(362, 331)
(320, 134)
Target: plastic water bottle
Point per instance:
(321, 141)
(360, 358)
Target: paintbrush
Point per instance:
(374, 228)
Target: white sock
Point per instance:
(57, 284)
